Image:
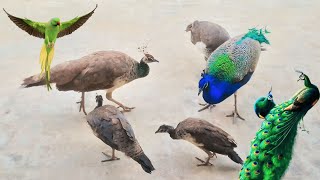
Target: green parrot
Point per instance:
(49, 31)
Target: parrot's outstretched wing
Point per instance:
(36, 29)
(69, 27)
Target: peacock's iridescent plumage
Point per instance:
(231, 65)
(271, 149)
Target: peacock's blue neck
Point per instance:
(219, 90)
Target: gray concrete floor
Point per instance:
(42, 136)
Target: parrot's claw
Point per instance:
(50, 45)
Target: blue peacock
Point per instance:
(230, 67)
(272, 148)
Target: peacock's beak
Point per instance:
(263, 49)
(200, 91)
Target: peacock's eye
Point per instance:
(206, 85)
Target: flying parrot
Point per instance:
(49, 31)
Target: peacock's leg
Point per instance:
(207, 162)
(113, 157)
(125, 108)
(82, 104)
(235, 113)
(206, 106)
(302, 127)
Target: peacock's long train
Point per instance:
(272, 148)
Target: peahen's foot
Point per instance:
(204, 163)
(125, 108)
(206, 106)
(111, 158)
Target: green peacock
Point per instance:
(272, 148)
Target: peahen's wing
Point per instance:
(36, 29)
(69, 27)
(207, 134)
(125, 125)
(103, 128)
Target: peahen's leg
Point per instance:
(125, 108)
(82, 104)
(235, 113)
(113, 157)
(207, 162)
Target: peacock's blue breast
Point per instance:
(218, 90)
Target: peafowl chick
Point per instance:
(100, 70)
(110, 125)
(230, 67)
(211, 139)
(209, 34)
(272, 148)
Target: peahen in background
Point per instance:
(272, 148)
(230, 67)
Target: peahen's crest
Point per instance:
(256, 34)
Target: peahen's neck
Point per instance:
(143, 69)
(99, 104)
(172, 133)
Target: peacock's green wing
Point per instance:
(69, 27)
(305, 97)
(222, 68)
(232, 61)
(33, 28)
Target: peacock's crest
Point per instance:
(256, 34)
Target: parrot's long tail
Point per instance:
(46, 56)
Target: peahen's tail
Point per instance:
(46, 56)
(145, 163)
(235, 157)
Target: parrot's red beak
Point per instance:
(58, 23)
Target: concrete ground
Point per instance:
(43, 136)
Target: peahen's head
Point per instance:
(99, 100)
(148, 58)
(263, 105)
(164, 129)
(55, 22)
